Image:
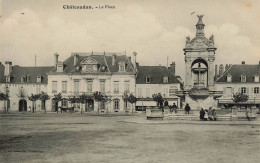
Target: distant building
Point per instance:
(153, 80)
(243, 78)
(19, 81)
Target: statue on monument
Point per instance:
(200, 17)
(211, 39)
(187, 40)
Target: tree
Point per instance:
(4, 97)
(44, 96)
(107, 100)
(57, 98)
(239, 97)
(125, 97)
(158, 98)
(98, 97)
(83, 100)
(132, 99)
(34, 98)
(22, 95)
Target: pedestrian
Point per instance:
(202, 114)
(166, 103)
(206, 115)
(214, 114)
(210, 114)
(187, 109)
(174, 107)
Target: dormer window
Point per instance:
(28, 78)
(229, 78)
(23, 79)
(122, 67)
(39, 79)
(90, 65)
(148, 79)
(256, 78)
(243, 78)
(7, 79)
(165, 79)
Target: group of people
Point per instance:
(208, 114)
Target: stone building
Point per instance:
(243, 78)
(112, 74)
(20, 82)
(153, 80)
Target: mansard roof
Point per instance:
(237, 70)
(156, 73)
(18, 72)
(98, 58)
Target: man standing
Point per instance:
(187, 109)
(174, 107)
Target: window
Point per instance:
(23, 79)
(38, 89)
(256, 77)
(102, 105)
(7, 79)
(64, 103)
(256, 90)
(116, 86)
(39, 79)
(148, 79)
(126, 105)
(89, 85)
(243, 90)
(28, 78)
(229, 78)
(165, 79)
(60, 68)
(76, 87)
(127, 86)
(116, 104)
(64, 86)
(102, 86)
(147, 92)
(173, 90)
(243, 78)
(54, 86)
(122, 67)
(140, 92)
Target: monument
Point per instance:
(199, 70)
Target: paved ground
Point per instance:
(89, 138)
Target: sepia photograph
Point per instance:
(130, 81)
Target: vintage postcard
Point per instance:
(129, 81)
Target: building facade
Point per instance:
(20, 82)
(153, 80)
(242, 78)
(111, 74)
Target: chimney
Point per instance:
(56, 58)
(134, 59)
(113, 59)
(216, 70)
(221, 69)
(8, 68)
(172, 67)
(243, 62)
(76, 58)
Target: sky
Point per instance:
(154, 29)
